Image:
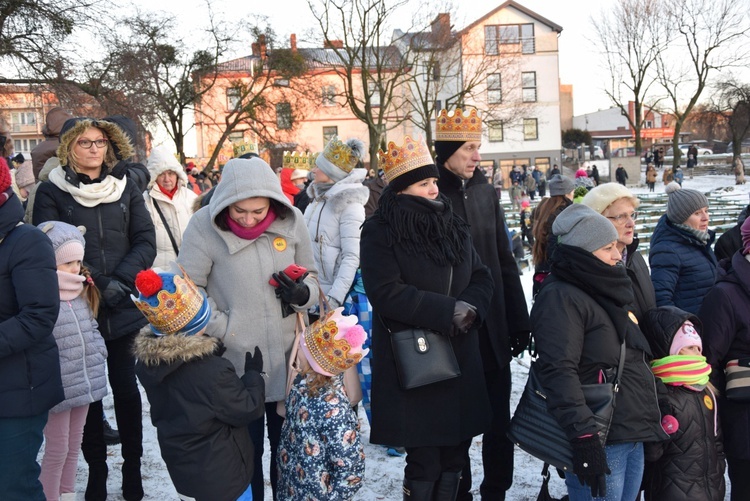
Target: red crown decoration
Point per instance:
(400, 159)
(458, 127)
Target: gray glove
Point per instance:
(464, 315)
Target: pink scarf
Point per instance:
(71, 285)
(255, 231)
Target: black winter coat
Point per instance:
(731, 240)
(725, 315)
(120, 242)
(645, 297)
(201, 411)
(507, 322)
(30, 381)
(407, 291)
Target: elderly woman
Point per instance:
(683, 265)
(618, 204)
(231, 249)
(420, 269)
(170, 203)
(580, 318)
(91, 188)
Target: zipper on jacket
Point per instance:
(69, 214)
(83, 345)
(318, 238)
(655, 393)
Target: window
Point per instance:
(23, 118)
(372, 90)
(494, 89)
(233, 98)
(495, 132)
(438, 106)
(509, 34)
(648, 124)
(530, 129)
(281, 82)
(328, 133)
(284, 116)
(430, 71)
(528, 82)
(17, 145)
(329, 95)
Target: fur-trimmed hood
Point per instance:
(160, 161)
(171, 351)
(118, 149)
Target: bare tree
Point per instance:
(709, 39)
(631, 35)
(731, 102)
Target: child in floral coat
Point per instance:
(320, 455)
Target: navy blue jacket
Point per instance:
(30, 381)
(683, 269)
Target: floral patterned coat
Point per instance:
(320, 455)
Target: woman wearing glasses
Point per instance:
(683, 265)
(91, 188)
(618, 204)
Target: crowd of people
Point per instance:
(241, 302)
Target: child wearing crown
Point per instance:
(199, 406)
(320, 455)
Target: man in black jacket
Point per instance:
(505, 332)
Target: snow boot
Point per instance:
(132, 484)
(96, 488)
(418, 490)
(446, 488)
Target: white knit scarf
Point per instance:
(90, 195)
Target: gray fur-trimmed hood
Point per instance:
(153, 350)
(119, 146)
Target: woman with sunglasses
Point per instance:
(91, 188)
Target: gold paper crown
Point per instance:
(332, 355)
(295, 160)
(458, 127)
(169, 312)
(401, 159)
(340, 155)
(242, 147)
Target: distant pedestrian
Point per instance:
(621, 175)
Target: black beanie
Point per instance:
(413, 176)
(445, 149)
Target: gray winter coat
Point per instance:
(235, 272)
(334, 220)
(82, 355)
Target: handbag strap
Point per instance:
(166, 227)
(447, 292)
(620, 367)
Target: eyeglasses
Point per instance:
(622, 218)
(87, 143)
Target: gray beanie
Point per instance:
(683, 202)
(67, 240)
(581, 226)
(560, 185)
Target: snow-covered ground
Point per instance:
(384, 473)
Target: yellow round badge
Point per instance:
(279, 244)
(708, 402)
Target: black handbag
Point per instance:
(537, 432)
(423, 356)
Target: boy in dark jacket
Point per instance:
(690, 465)
(199, 406)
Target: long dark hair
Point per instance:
(542, 227)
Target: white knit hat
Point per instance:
(160, 161)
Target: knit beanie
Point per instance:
(407, 164)
(5, 182)
(560, 185)
(445, 149)
(581, 226)
(683, 202)
(686, 335)
(604, 195)
(334, 343)
(745, 232)
(25, 175)
(338, 159)
(67, 240)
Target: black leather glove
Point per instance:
(464, 315)
(291, 291)
(590, 464)
(519, 342)
(254, 362)
(115, 292)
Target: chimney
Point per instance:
(441, 27)
(333, 44)
(293, 42)
(262, 46)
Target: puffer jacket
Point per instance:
(29, 362)
(334, 220)
(177, 212)
(234, 272)
(690, 465)
(120, 239)
(683, 269)
(82, 355)
(201, 411)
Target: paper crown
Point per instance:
(401, 159)
(458, 127)
(170, 302)
(340, 155)
(242, 147)
(334, 343)
(296, 160)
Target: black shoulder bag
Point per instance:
(166, 227)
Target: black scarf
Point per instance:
(609, 286)
(424, 227)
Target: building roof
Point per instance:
(510, 3)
